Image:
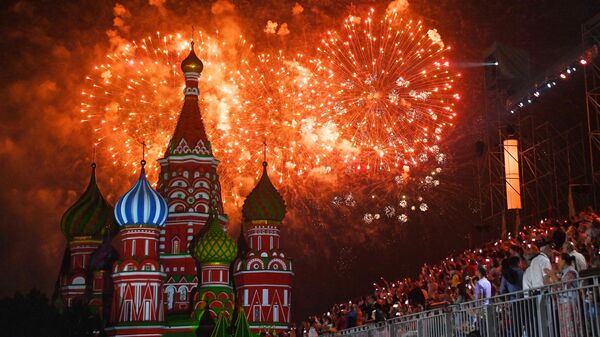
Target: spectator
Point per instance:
(351, 317)
(512, 276)
(341, 323)
(483, 287)
(416, 296)
(534, 276)
(580, 263)
(558, 236)
(312, 331)
(567, 301)
(462, 295)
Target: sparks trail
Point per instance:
(391, 90)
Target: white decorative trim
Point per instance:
(171, 256)
(183, 147)
(189, 158)
(250, 286)
(264, 271)
(201, 148)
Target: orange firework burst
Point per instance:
(377, 98)
(136, 95)
(392, 91)
(246, 101)
(281, 103)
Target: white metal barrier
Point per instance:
(559, 310)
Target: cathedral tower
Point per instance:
(188, 180)
(138, 276)
(263, 275)
(84, 225)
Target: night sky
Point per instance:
(48, 47)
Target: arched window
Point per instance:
(170, 293)
(175, 246)
(183, 294)
(256, 313)
(79, 280)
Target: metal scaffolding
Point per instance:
(590, 32)
(553, 157)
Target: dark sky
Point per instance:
(47, 48)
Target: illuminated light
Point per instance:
(511, 173)
(529, 100)
(582, 62)
(496, 63)
(521, 104)
(563, 76)
(549, 85)
(536, 94)
(568, 71)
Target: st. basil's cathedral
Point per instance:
(178, 272)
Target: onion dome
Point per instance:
(141, 205)
(90, 215)
(264, 202)
(215, 246)
(192, 64)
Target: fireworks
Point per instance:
(247, 100)
(392, 91)
(136, 95)
(375, 98)
(280, 104)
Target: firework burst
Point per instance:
(135, 96)
(391, 90)
(280, 105)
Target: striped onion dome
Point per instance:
(264, 202)
(215, 246)
(141, 205)
(90, 215)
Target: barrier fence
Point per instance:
(559, 310)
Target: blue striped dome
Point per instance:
(141, 205)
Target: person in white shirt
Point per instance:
(534, 276)
(580, 263)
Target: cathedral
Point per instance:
(178, 273)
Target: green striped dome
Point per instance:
(90, 215)
(264, 202)
(215, 246)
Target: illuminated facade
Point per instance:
(263, 274)
(173, 272)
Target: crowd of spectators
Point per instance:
(548, 252)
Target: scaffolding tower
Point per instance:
(590, 33)
(552, 157)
